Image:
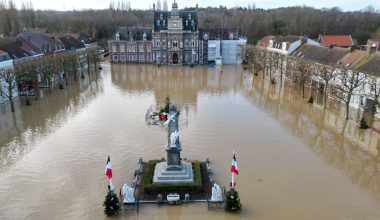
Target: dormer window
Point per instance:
(187, 23)
(158, 22)
(231, 36)
(117, 36)
(130, 36)
(189, 16)
(205, 37)
(161, 16)
(144, 36)
(164, 23)
(193, 24)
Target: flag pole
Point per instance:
(111, 186)
(232, 180)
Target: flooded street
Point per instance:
(296, 161)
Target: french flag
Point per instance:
(234, 166)
(108, 170)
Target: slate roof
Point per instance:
(310, 52)
(70, 42)
(82, 37)
(216, 33)
(338, 40)
(38, 38)
(137, 32)
(188, 19)
(161, 20)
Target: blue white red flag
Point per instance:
(108, 170)
(234, 166)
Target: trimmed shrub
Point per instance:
(149, 187)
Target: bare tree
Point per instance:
(8, 84)
(282, 62)
(326, 73)
(304, 69)
(349, 80)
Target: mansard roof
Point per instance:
(161, 20)
(188, 18)
(217, 33)
(137, 32)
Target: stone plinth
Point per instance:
(164, 174)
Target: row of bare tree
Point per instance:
(46, 72)
(340, 82)
(251, 22)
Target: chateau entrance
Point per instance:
(175, 58)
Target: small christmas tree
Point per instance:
(111, 204)
(232, 201)
(363, 124)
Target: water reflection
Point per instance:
(292, 171)
(183, 84)
(19, 130)
(339, 142)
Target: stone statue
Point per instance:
(170, 119)
(128, 194)
(216, 194)
(173, 138)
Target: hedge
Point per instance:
(149, 187)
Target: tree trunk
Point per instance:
(347, 110)
(303, 89)
(11, 102)
(325, 96)
(348, 106)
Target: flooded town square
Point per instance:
(296, 160)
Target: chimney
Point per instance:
(154, 7)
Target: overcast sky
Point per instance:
(346, 5)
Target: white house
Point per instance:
(5, 63)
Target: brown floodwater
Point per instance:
(296, 161)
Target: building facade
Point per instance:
(175, 37)
(132, 45)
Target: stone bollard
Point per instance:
(187, 197)
(159, 199)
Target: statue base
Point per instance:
(164, 174)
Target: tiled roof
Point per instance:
(264, 42)
(12, 48)
(3, 52)
(373, 42)
(353, 57)
(334, 55)
(338, 40)
(369, 64)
